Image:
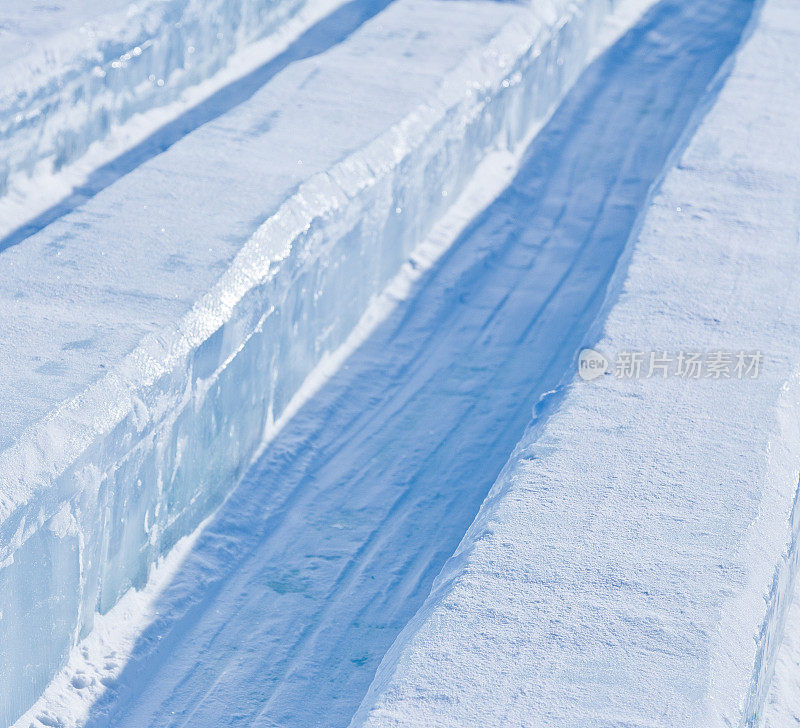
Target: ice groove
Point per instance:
(412, 441)
(151, 446)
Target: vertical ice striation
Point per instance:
(67, 75)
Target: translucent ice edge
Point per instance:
(56, 101)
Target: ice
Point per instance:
(153, 335)
(68, 73)
(782, 708)
(635, 561)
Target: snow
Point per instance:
(141, 327)
(35, 198)
(283, 609)
(634, 563)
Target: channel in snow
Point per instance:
(290, 596)
(153, 335)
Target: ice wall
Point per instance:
(156, 333)
(68, 74)
(634, 563)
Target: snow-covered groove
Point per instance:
(283, 609)
(97, 485)
(96, 663)
(634, 563)
(70, 85)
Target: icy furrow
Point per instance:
(283, 609)
(68, 75)
(634, 563)
(226, 268)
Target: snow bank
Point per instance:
(634, 562)
(153, 336)
(68, 73)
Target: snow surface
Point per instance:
(634, 563)
(140, 328)
(38, 197)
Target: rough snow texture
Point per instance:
(152, 336)
(634, 563)
(68, 73)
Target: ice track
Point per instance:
(291, 596)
